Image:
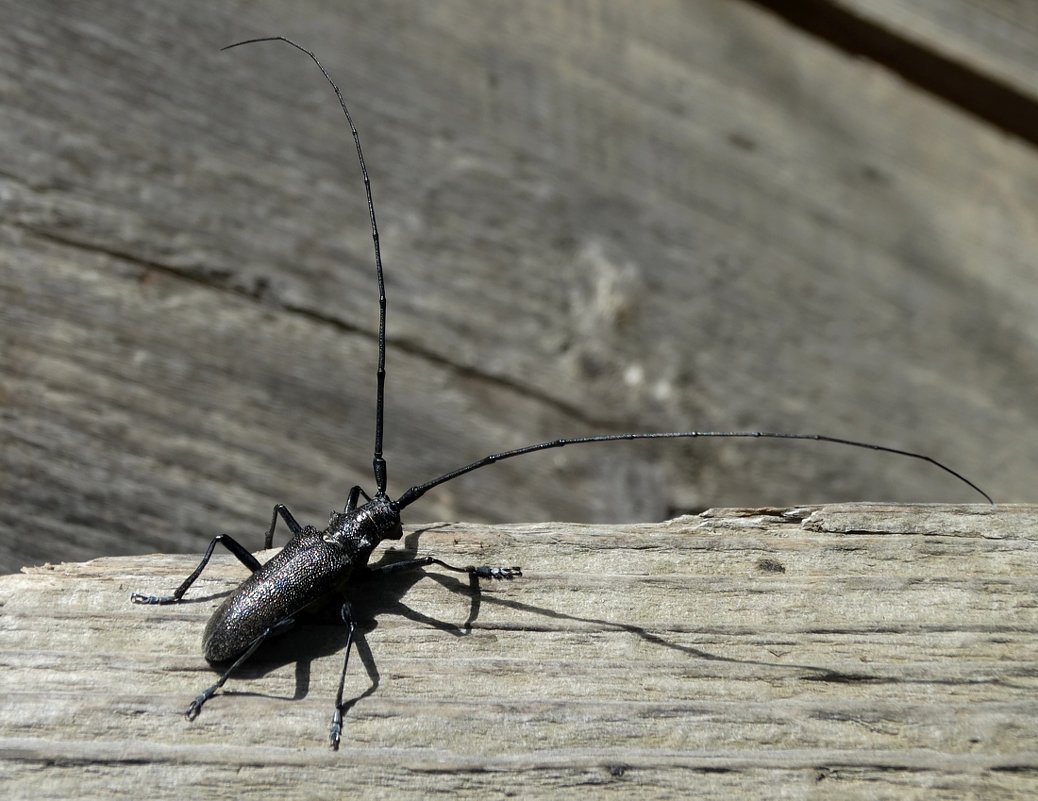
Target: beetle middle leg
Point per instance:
(346, 612)
(291, 522)
(232, 545)
(335, 733)
(227, 542)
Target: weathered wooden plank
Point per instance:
(854, 651)
(594, 219)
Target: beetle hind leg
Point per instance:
(196, 706)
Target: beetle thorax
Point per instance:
(360, 530)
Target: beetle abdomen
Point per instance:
(312, 568)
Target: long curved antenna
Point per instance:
(378, 463)
(418, 491)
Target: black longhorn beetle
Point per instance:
(315, 566)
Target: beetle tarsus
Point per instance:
(335, 734)
(196, 706)
(139, 598)
(496, 573)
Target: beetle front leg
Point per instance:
(474, 574)
(351, 500)
(484, 571)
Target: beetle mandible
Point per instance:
(315, 566)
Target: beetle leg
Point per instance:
(423, 561)
(335, 732)
(227, 542)
(209, 692)
(351, 500)
(290, 521)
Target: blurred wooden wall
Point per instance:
(595, 217)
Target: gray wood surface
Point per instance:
(595, 217)
(845, 652)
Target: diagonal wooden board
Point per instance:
(851, 651)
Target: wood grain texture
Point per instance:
(595, 218)
(850, 652)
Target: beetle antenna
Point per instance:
(378, 462)
(416, 492)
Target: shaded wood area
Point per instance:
(595, 218)
(975, 57)
(994, 39)
(850, 652)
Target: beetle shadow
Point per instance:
(389, 601)
(812, 673)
